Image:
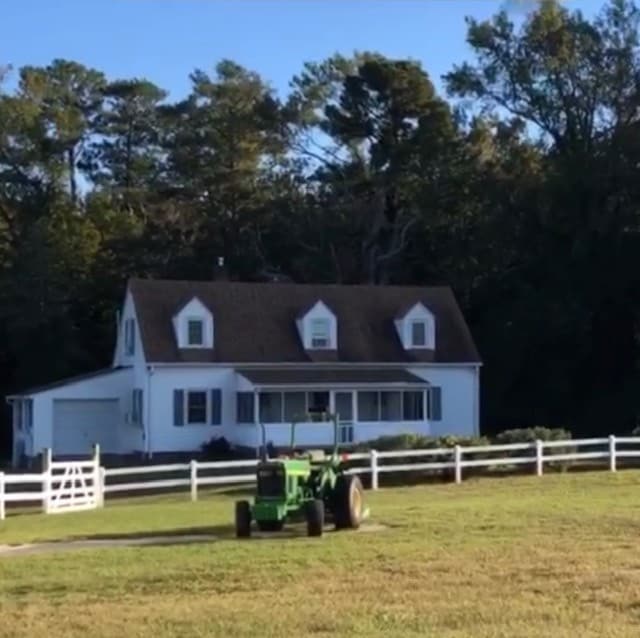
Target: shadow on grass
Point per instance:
(205, 532)
(172, 537)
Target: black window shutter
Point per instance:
(436, 403)
(216, 406)
(178, 407)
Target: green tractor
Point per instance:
(309, 485)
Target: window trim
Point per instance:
(195, 319)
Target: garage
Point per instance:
(78, 424)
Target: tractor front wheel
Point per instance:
(348, 502)
(315, 517)
(243, 519)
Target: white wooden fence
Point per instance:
(65, 486)
(92, 483)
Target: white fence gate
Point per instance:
(71, 486)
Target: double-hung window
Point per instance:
(136, 406)
(195, 332)
(197, 407)
(418, 334)
(320, 333)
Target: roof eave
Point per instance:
(312, 364)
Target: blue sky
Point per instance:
(164, 40)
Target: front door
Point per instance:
(344, 410)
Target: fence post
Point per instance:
(612, 452)
(46, 479)
(457, 459)
(96, 475)
(539, 457)
(102, 481)
(374, 469)
(2, 509)
(193, 466)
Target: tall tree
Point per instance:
(128, 158)
(575, 84)
(70, 98)
(364, 124)
(225, 145)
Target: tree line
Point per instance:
(520, 189)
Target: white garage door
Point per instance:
(78, 424)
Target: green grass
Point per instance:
(510, 557)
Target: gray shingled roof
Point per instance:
(66, 381)
(256, 322)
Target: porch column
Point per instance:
(256, 420)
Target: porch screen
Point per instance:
(390, 406)
(295, 405)
(271, 407)
(368, 406)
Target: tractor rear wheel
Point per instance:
(314, 513)
(348, 502)
(243, 519)
(270, 526)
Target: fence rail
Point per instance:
(193, 475)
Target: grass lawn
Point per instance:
(511, 557)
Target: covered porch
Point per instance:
(368, 403)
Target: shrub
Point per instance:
(410, 441)
(216, 449)
(529, 435)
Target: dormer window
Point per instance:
(320, 333)
(195, 332)
(318, 327)
(194, 325)
(416, 327)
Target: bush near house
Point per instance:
(218, 448)
(408, 441)
(529, 435)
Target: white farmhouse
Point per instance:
(194, 360)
